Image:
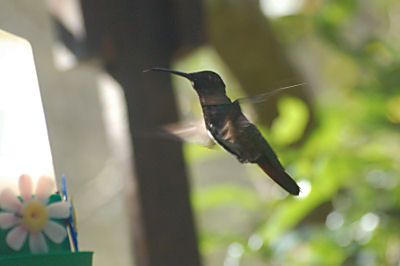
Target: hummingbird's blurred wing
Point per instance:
(194, 131)
(265, 96)
(190, 131)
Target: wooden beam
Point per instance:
(130, 36)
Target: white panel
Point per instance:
(24, 144)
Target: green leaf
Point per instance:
(292, 121)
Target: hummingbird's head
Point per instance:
(207, 81)
(202, 82)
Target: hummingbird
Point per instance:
(228, 126)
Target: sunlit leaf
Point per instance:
(393, 109)
(292, 120)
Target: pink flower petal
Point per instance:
(9, 201)
(44, 189)
(8, 220)
(25, 187)
(55, 232)
(16, 238)
(37, 243)
(59, 210)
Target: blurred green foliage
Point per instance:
(348, 51)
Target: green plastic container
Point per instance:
(49, 259)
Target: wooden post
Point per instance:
(130, 36)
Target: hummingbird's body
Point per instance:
(230, 128)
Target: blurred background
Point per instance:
(143, 198)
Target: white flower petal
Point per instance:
(59, 210)
(8, 220)
(25, 187)
(44, 188)
(55, 232)
(16, 238)
(37, 243)
(9, 201)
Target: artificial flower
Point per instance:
(31, 215)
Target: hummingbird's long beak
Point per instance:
(183, 74)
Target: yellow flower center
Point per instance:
(34, 216)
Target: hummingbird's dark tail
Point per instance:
(279, 176)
